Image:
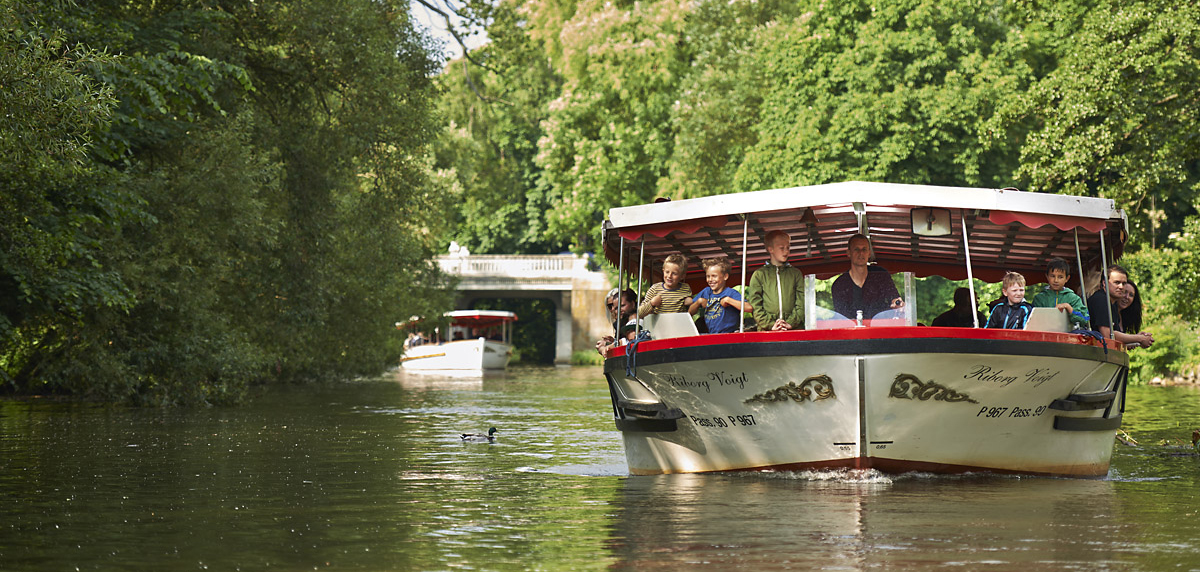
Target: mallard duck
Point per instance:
(490, 437)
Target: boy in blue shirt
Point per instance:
(1013, 310)
(722, 306)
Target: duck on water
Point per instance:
(489, 437)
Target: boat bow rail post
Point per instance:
(962, 216)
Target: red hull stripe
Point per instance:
(873, 341)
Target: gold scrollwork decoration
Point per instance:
(909, 386)
(813, 388)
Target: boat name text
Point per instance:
(681, 381)
(728, 379)
(1035, 376)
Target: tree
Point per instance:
(608, 136)
(487, 153)
(892, 92)
(57, 208)
(715, 117)
(252, 205)
(1116, 117)
(347, 98)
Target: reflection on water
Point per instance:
(373, 476)
(863, 520)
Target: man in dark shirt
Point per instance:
(864, 287)
(1103, 310)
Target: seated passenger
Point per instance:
(960, 315)
(627, 334)
(864, 287)
(621, 305)
(672, 294)
(1105, 311)
(722, 306)
(1057, 295)
(1131, 308)
(1013, 310)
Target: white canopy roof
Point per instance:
(1007, 229)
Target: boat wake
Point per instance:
(857, 476)
(868, 476)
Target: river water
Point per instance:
(373, 476)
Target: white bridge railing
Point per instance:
(517, 266)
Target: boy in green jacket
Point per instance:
(1057, 295)
(777, 289)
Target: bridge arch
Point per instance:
(564, 279)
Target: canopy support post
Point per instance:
(1104, 282)
(620, 295)
(1079, 262)
(744, 294)
(962, 214)
(637, 323)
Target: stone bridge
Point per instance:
(564, 279)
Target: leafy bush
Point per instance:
(1168, 279)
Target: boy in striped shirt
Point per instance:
(670, 295)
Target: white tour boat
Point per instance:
(885, 393)
(478, 340)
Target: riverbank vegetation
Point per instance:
(199, 196)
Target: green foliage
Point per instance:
(1168, 280)
(608, 136)
(487, 152)
(348, 123)
(240, 196)
(1117, 117)
(716, 115)
(892, 92)
(1176, 349)
(586, 358)
(57, 209)
(1171, 274)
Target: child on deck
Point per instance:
(672, 294)
(777, 289)
(722, 306)
(1013, 310)
(1057, 295)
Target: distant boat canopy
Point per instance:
(480, 318)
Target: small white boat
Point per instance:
(478, 340)
(887, 393)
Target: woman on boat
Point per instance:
(1130, 306)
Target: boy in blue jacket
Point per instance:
(1013, 310)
